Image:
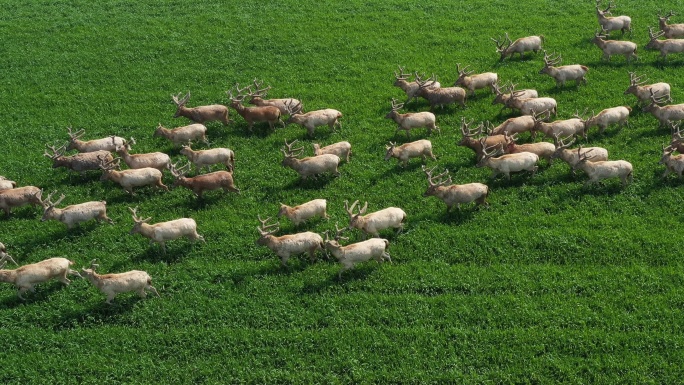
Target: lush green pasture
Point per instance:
(555, 282)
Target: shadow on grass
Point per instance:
(42, 294)
(312, 182)
(360, 272)
(100, 313)
(175, 252)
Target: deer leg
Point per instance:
(110, 297)
(152, 289)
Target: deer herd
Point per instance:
(496, 148)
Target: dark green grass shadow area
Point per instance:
(43, 293)
(100, 312)
(71, 178)
(176, 251)
(310, 183)
(360, 272)
(208, 199)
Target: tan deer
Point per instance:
(609, 23)
(200, 114)
(411, 120)
(564, 73)
(258, 114)
(454, 194)
(505, 47)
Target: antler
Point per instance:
(56, 152)
(48, 201)
(402, 75)
(291, 152)
(396, 106)
(75, 135)
(293, 110)
(465, 129)
(551, 61)
(264, 227)
(654, 36)
(463, 71)
(259, 92)
(425, 83)
(338, 233)
(636, 80)
(431, 179)
(182, 101)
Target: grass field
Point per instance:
(553, 283)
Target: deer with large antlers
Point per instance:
(200, 114)
(26, 277)
(128, 179)
(286, 246)
(312, 119)
(615, 115)
(670, 30)
(666, 46)
(439, 97)
(475, 82)
(183, 135)
(615, 47)
(411, 120)
(73, 215)
(6, 184)
(18, 197)
(502, 98)
(257, 98)
(505, 47)
(470, 139)
(638, 88)
(566, 127)
(410, 88)
(163, 232)
(673, 163)
(418, 149)
(80, 162)
(599, 170)
(610, 23)
(309, 166)
(508, 163)
(571, 156)
(454, 194)
(107, 144)
(530, 106)
(158, 160)
(352, 254)
(257, 114)
(205, 182)
(113, 284)
(664, 114)
(564, 73)
(373, 223)
(210, 157)
(341, 149)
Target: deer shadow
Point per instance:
(360, 272)
(311, 183)
(42, 294)
(155, 254)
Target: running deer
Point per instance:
(665, 114)
(411, 120)
(258, 114)
(73, 215)
(567, 127)
(670, 30)
(508, 163)
(439, 97)
(26, 277)
(355, 253)
(341, 149)
(615, 47)
(418, 149)
(205, 182)
(607, 117)
(288, 245)
(599, 170)
(113, 284)
(158, 160)
(469, 139)
(305, 211)
(475, 82)
(128, 179)
(201, 114)
(643, 92)
(505, 47)
(531, 106)
(666, 46)
(544, 150)
(516, 125)
(19, 196)
(80, 162)
(502, 98)
(373, 223)
(210, 157)
(107, 144)
(183, 135)
(454, 194)
(310, 166)
(257, 98)
(312, 119)
(564, 73)
(410, 88)
(163, 232)
(608, 23)
(571, 156)
(672, 163)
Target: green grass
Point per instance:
(555, 282)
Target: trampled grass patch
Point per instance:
(554, 282)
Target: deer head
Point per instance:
(550, 62)
(435, 182)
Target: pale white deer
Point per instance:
(475, 82)
(73, 215)
(128, 179)
(610, 23)
(670, 30)
(286, 246)
(666, 46)
(615, 115)
(508, 163)
(107, 144)
(600, 170)
(418, 149)
(305, 211)
(18, 197)
(210, 157)
(200, 114)
(410, 88)
(502, 98)
(6, 184)
(341, 149)
(373, 223)
(664, 114)
(312, 119)
(355, 253)
(26, 277)
(411, 120)
(309, 166)
(454, 194)
(564, 73)
(642, 91)
(505, 47)
(615, 47)
(571, 156)
(158, 160)
(184, 134)
(673, 163)
(113, 284)
(163, 232)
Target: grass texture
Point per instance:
(554, 283)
